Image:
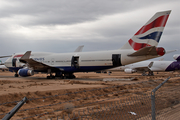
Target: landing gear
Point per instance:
(144, 74)
(51, 77)
(62, 76)
(69, 76)
(16, 75)
(150, 73)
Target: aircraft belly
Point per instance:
(84, 68)
(11, 69)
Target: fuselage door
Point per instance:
(14, 62)
(75, 61)
(116, 60)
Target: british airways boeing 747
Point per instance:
(142, 46)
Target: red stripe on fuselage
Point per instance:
(159, 22)
(17, 56)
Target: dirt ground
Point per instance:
(37, 86)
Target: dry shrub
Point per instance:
(115, 94)
(38, 93)
(74, 116)
(134, 79)
(20, 114)
(34, 112)
(121, 87)
(11, 86)
(68, 108)
(15, 95)
(66, 80)
(48, 93)
(97, 107)
(2, 110)
(105, 90)
(9, 105)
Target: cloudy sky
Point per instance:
(63, 25)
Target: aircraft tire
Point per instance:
(16, 75)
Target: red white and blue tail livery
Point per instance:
(141, 46)
(150, 33)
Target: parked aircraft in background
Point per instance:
(141, 46)
(3, 67)
(151, 66)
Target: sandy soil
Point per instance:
(37, 86)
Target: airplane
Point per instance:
(3, 67)
(141, 46)
(151, 66)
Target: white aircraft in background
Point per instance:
(151, 66)
(3, 67)
(141, 46)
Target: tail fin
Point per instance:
(79, 49)
(150, 33)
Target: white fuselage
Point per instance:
(86, 61)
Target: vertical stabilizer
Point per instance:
(150, 33)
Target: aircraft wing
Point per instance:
(149, 50)
(145, 68)
(5, 56)
(142, 69)
(35, 64)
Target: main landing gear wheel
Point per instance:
(70, 77)
(51, 77)
(150, 73)
(66, 76)
(16, 75)
(144, 74)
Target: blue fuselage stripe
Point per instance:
(70, 69)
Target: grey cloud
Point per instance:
(46, 12)
(65, 12)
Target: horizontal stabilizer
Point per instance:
(170, 51)
(26, 55)
(150, 50)
(5, 56)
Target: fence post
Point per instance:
(15, 109)
(153, 113)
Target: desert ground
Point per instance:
(40, 90)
